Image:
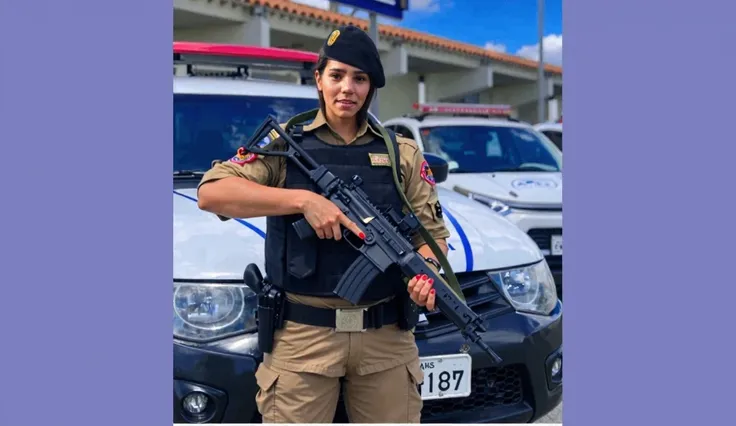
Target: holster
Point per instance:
(270, 315)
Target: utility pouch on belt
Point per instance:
(270, 312)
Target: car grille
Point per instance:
(542, 238)
(490, 387)
(481, 295)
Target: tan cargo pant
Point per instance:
(300, 380)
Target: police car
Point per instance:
(218, 102)
(500, 162)
(552, 130)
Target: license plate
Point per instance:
(556, 244)
(445, 376)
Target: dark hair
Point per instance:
(362, 114)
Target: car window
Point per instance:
(405, 132)
(213, 127)
(555, 136)
(482, 149)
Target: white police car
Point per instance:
(217, 104)
(497, 161)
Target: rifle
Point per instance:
(386, 242)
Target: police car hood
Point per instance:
(525, 189)
(207, 248)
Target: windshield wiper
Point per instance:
(188, 173)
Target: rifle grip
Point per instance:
(303, 229)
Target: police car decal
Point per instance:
(534, 183)
(463, 239)
(240, 221)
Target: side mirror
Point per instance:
(439, 166)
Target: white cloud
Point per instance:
(552, 50)
(498, 47)
(424, 5)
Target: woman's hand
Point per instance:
(325, 217)
(421, 291)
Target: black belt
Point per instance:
(344, 319)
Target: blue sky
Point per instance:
(505, 25)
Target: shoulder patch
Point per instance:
(426, 173)
(242, 157)
(380, 160)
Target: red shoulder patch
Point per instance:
(426, 173)
(243, 157)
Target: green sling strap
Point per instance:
(436, 250)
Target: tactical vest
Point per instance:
(314, 266)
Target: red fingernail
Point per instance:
(431, 291)
(424, 277)
(431, 281)
(362, 236)
(418, 276)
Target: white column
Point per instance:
(553, 109)
(422, 95)
(257, 29)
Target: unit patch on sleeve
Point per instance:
(426, 173)
(242, 157)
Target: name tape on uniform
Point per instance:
(380, 160)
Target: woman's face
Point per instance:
(344, 88)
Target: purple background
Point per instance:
(85, 113)
(86, 140)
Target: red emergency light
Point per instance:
(241, 61)
(244, 52)
(463, 109)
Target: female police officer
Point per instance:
(299, 379)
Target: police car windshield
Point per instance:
(484, 149)
(213, 127)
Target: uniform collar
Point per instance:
(320, 121)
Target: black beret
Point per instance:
(351, 45)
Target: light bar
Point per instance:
(463, 109)
(194, 53)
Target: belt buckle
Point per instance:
(349, 320)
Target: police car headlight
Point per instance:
(208, 311)
(529, 289)
(495, 205)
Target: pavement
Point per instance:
(554, 416)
